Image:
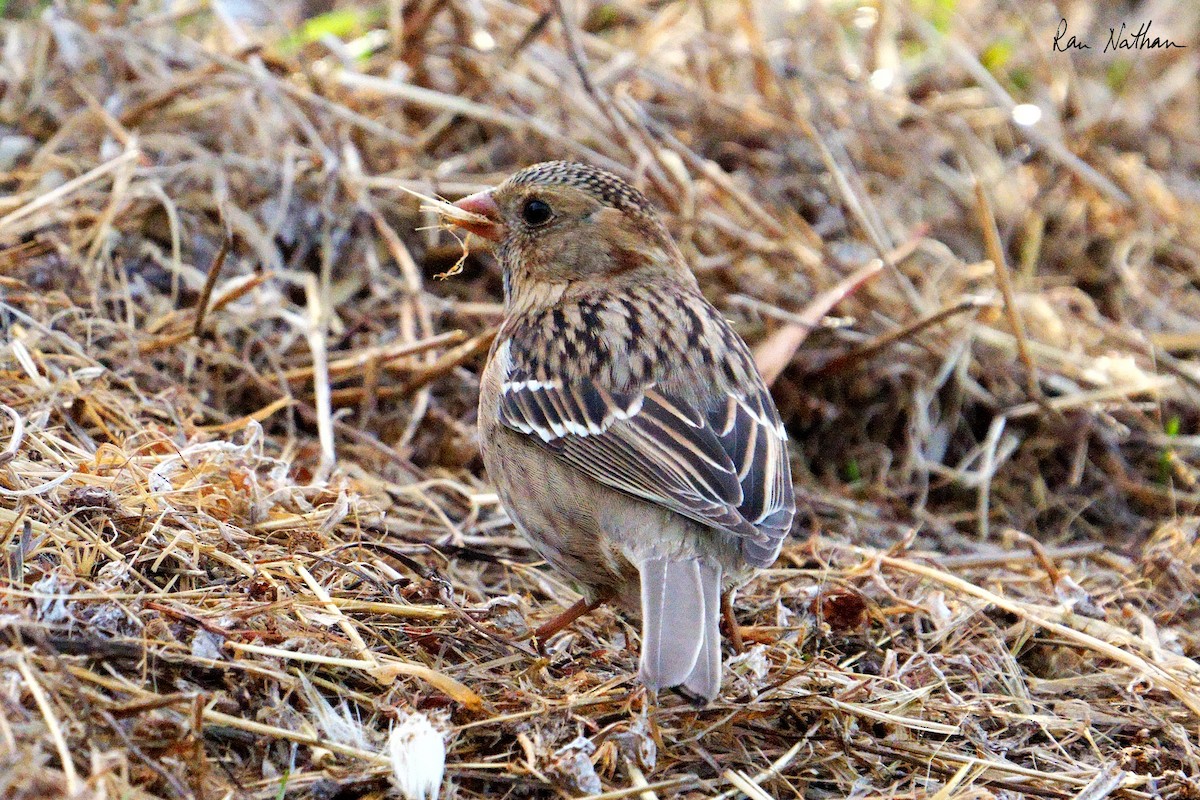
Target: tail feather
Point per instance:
(680, 639)
(705, 678)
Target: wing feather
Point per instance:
(722, 462)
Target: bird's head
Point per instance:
(563, 223)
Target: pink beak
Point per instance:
(481, 204)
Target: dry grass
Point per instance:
(243, 525)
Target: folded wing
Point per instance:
(724, 465)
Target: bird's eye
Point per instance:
(536, 212)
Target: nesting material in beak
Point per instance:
(487, 222)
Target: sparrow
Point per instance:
(622, 420)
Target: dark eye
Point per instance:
(536, 212)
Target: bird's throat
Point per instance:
(524, 293)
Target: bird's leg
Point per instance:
(731, 627)
(581, 607)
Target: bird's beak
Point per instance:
(487, 216)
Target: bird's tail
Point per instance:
(681, 642)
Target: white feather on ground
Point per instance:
(418, 753)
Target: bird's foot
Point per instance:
(543, 632)
(732, 630)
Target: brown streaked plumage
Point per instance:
(628, 433)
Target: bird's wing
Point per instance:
(724, 466)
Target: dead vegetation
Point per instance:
(243, 527)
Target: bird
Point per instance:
(624, 424)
